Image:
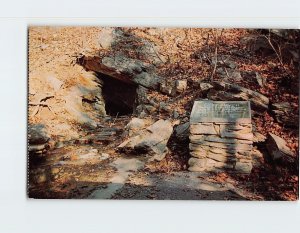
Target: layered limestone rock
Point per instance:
(277, 147)
(221, 136)
(229, 91)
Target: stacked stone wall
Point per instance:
(221, 146)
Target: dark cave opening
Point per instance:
(119, 96)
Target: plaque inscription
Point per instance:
(221, 111)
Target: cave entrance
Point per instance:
(119, 96)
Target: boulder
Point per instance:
(182, 131)
(235, 75)
(85, 95)
(241, 167)
(172, 87)
(277, 147)
(37, 134)
(38, 139)
(120, 67)
(152, 140)
(38, 149)
(181, 86)
(227, 91)
(175, 114)
(204, 87)
(135, 124)
(168, 87)
(285, 114)
(164, 107)
(150, 109)
(254, 77)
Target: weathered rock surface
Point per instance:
(37, 134)
(182, 131)
(88, 92)
(152, 140)
(172, 87)
(175, 114)
(238, 131)
(164, 107)
(54, 82)
(227, 91)
(125, 69)
(181, 85)
(108, 37)
(150, 109)
(204, 87)
(243, 167)
(168, 87)
(137, 124)
(232, 74)
(105, 135)
(137, 70)
(133, 62)
(224, 61)
(277, 147)
(141, 95)
(38, 139)
(254, 77)
(75, 108)
(118, 40)
(285, 114)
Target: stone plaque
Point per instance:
(221, 111)
(221, 136)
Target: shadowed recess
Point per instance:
(119, 96)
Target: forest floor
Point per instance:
(79, 170)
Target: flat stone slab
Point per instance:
(124, 167)
(206, 111)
